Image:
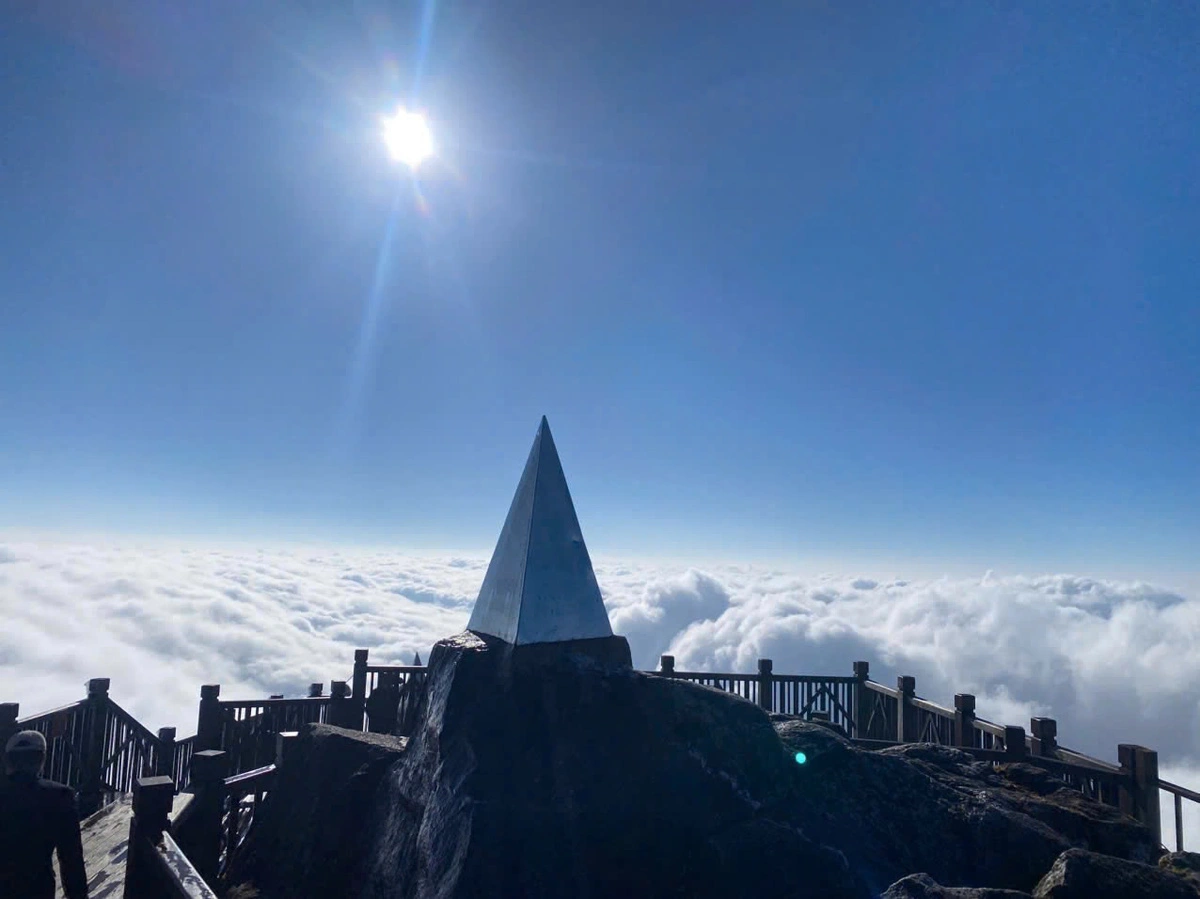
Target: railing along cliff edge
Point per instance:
(100, 750)
(877, 716)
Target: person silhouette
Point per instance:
(37, 816)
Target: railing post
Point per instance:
(1178, 823)
(964, 720)
(666, 666)
(1014, 742)
(1138, 793)
(358, 687)
(341, 706)
(315, 691)
(165, 758)
(152, 800)
(208, 724)
(208, 781)
(862, 700)
(285, 741)
(906, 713)
(8, 721)
(91, 775)
(1045, 736)
(766, 681)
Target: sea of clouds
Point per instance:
(1113, 661)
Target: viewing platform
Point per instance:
(99, 749)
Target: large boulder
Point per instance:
(1088, 875)
(934, 809)
(922, 886)
(311, 833)
(1185, 864)
(557, 770)
(545, 771)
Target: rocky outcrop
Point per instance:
(547, 773)
(933, 809)
(1185, 864)
(922, 886)
(1078, 874)
(1088, 875)
(311, 833)
(557, 770)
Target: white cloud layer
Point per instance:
(1112, 661)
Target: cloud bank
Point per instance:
(1113, 661)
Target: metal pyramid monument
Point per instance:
(540, 586)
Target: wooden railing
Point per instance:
(1178, 794)
(181, 759)
(388, 695)
(875, 715)
(244, 794)
(245, 729)
(64, 729)
(98, 748)
(155, 866)
(129, 751)
(217, 822)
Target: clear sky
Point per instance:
(907, 282)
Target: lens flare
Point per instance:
(801, 758)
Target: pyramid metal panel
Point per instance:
(540, 586)
(499, 604)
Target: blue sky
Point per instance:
(913, 284)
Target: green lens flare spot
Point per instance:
(801, 758)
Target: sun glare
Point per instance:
(407, 137)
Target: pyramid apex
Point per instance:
(540, 586)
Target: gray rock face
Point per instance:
(922, 886)
(1185, 864)
(553, 774)
(935, 810)
(1088, 875)
(310, 836)
(556, 770)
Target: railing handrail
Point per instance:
(988, 727)
(181, 875)
(250, 778)
(814, 678)
(34, 719)
(754, 676)
(407, 669)
(1178, 790)
(271, 703)
(881, 688)
(926, 705)
(1086, 761)
(129, 721)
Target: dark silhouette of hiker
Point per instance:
(37, 816)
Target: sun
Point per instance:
(407, 137)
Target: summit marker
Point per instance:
(540, 586)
